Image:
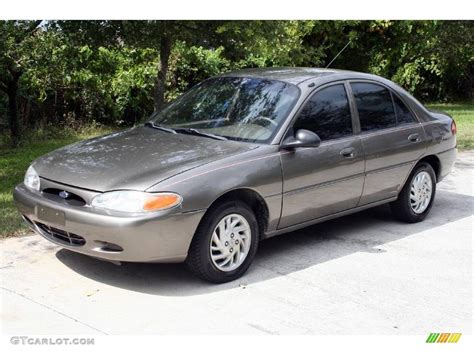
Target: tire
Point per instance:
(200, 257)
(402, 208)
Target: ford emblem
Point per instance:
(64, 194)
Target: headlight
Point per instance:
(136, 201)
(32, 180)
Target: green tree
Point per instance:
(163, 36)
(16, 40)
(116, 72)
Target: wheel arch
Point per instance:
(432, 160)
(435, 163)
(251, 198)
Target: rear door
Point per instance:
(327, 179)
(392, 138)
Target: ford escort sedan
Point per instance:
(241, 157)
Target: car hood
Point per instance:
(133, 159)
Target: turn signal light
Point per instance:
(161, 201)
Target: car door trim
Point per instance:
(379, 170)
(354, 112)
(322, 184)
(380, 131)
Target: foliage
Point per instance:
(70, 73)
(432, 59)
(190, 65)
(263, 43)
(17, 38)
(106, 84)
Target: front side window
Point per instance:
(375, 106)
(327, 113)
(248, 109)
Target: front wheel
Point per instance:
(225, 243)
(416, 198)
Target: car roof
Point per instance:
(294, 75)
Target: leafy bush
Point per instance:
(67, 73)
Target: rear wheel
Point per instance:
(416, 198)
(225, 243)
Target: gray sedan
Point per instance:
(241, 157)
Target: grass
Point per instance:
(14, 162)
(463, 114)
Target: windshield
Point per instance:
(247, 109)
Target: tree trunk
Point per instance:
(26, 118)
(12, 93)
(160, 84)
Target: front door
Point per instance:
(327, 179)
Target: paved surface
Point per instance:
(362, 274)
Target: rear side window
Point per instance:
(404, 115)
(375, 106)
(327, 113)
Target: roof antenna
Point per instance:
(337, 55)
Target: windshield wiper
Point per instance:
(161, 128)
(199, 133)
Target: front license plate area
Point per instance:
(50, 215)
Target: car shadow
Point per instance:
(365, 232)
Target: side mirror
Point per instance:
(302, 139)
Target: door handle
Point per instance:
(348, 153)
(415, 137)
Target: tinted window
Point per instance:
(327, 114)
(375, 107)
(403, 113)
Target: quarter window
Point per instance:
(327, 114)
(375, 106)
(404, 115)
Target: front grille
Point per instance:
(69, 197)
(61, 236)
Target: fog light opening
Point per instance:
(109, 247)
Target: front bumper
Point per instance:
(156, 238)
